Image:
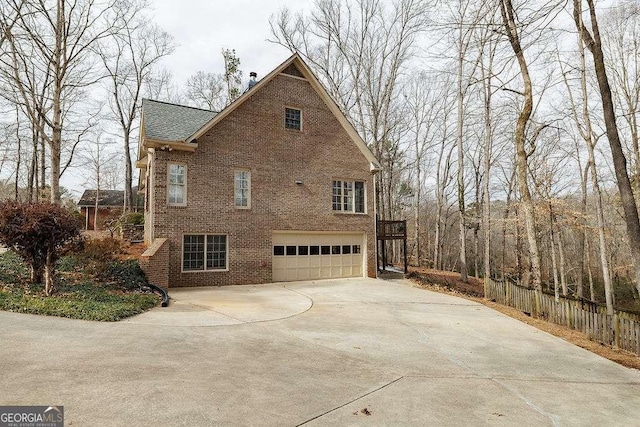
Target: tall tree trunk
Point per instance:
(583, 233)
(593, 42)
(56, 137)
(417, 196)
(592, 293)
(588, 136)
(476, 250)
(519, 246)
(33, 168)
(504, 226)
(507, 12)
(49, 274)
(18, 157)
(563, 275)
(554, 265)
(128, 179)
(43, 166)
(459, 137)
(486, 199)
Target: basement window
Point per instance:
(204, 252)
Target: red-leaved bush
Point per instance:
(39, 233)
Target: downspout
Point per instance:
(375, 168)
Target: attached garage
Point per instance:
(306, 255)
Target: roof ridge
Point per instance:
(179, 105)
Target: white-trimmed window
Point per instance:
(177, 184)
(242, 189)
(293, 118)
(348, 196)
(202, 252)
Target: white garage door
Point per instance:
(304, 255)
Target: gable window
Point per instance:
(177, 188)
(348, 196)
(242, 189)
(204, 252)
(292, 118)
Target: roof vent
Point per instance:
(252, 79)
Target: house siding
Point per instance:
(253, 137)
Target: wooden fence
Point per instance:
(621, 329)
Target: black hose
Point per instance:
(162, 292)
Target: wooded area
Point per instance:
(507, 130)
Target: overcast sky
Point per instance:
(202, 28)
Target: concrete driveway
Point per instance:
(340, 352)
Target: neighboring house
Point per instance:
(278, 186)
(109, 207)
(110, 203)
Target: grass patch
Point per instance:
(89, 289)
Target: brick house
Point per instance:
(110, 203)
(278, 186)
(109, 207)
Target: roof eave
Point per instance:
(169, 145)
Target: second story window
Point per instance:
(348, 196)
(177, 186)
(292, 118)
(242, 189)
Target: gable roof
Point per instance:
(304, 69)
(105, 198)
(179, 127)
(164, 121)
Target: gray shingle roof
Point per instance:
(105, 198)
(172, 122)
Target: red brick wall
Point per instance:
(155, 263)
(104, 214)
(253, 137)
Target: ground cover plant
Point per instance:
(95, 283)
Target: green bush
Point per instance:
(125, 275)
(87, 289)
(132, 218)
(40, 233)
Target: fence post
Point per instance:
(507, 293)
(616, 330)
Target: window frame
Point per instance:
(346, 199)
(204, 254)
(235, 188)
(299, 129)
(169, 184)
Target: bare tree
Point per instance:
(99, 158)
(512, 30)
(621, 38)
(58, 35)
(425, 98)
(360, 50)
(207, 90)
(128, 57)
(585, 129)
(466, 20)
(592, 40)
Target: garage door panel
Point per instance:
(304, 255)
